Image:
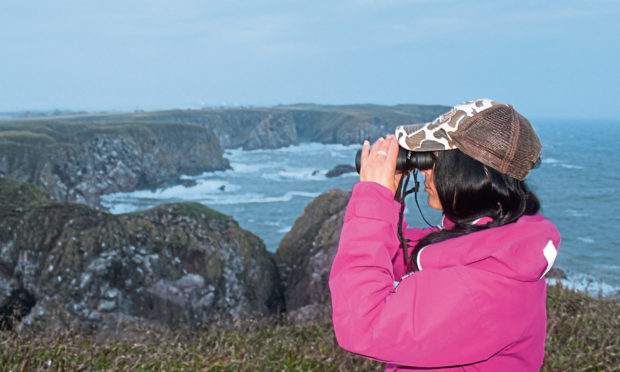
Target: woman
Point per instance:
(471, 295)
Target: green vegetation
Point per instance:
(583, 335)
(195, 211)
(18, 196)
(234, 126)
(42, 133)
(25, 137)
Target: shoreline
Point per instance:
(587, 286)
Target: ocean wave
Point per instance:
(177, 192)
(252, 166)
(315, 147)
(128, 202)
(297, 174)
(585, 239)
(555, 162)
(272, 223)
(570, 166)
(118, 207)
(575, 213)
(302, 148)
(250, 198)
(208, 174)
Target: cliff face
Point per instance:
(81, 162)
(306, 253)
(174, 264)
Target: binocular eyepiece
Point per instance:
(406, 161)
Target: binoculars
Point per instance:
(406, 161)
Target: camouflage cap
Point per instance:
(493, 133)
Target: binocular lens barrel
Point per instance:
(406, 160)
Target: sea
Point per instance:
(578, 183)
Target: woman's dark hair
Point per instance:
(469, 190)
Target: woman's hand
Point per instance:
(379, 163)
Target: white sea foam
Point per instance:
(179, 192)
(214, 174)
(258, 198)
(586, 284)
(338, 154)
(314, 147)
(575, 213)
(585, 240)
(302, 148)
(559, 163)
(285, 230)
(252, 167)
(297, 174)
(571, 166)
(119, 208)
(272, 223)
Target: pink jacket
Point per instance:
(477, 304)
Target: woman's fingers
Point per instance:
(379, 163)
(365, 153)
(393, 147)
(377, 146)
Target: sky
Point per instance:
(550, 59)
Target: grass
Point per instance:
(583, 335)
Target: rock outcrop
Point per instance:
(339, 170)
(174, 264)
(305, 255)
(81, 162)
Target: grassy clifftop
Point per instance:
(583, 335)
(239, 127)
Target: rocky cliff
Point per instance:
(79, 157)
(284, 125)
(174, 264)
(305, 255)
(79, 162)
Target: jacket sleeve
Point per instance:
(430, 319)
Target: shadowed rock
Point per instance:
(556, 273)
(306, 253)
(16, 306)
